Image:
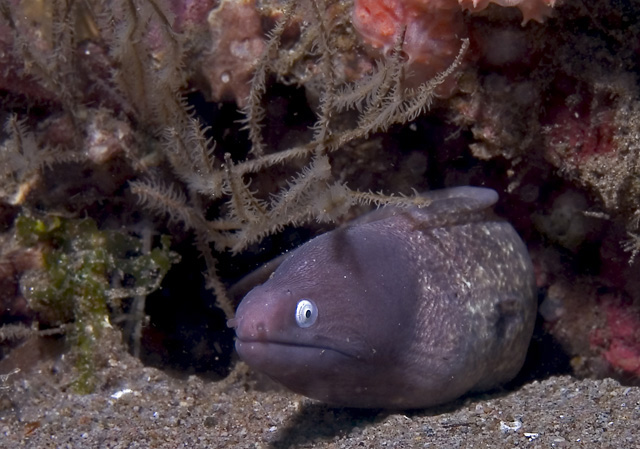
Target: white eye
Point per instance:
(306, 313)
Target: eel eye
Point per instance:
(306, 313)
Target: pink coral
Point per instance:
(619, 340)
(574, 138)
(237, 43)
(433, 32)
(190, 13)
(433, 28)
(531, 9)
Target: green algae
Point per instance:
(84, 273)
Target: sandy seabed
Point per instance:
(141, 407)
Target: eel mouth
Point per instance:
(254, 343)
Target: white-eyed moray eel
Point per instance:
(405, 308)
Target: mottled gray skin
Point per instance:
(415, 307)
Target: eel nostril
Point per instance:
(232, 323)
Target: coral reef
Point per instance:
(76, 111)
(598, 326)
(112, 104)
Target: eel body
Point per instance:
(406, 308)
